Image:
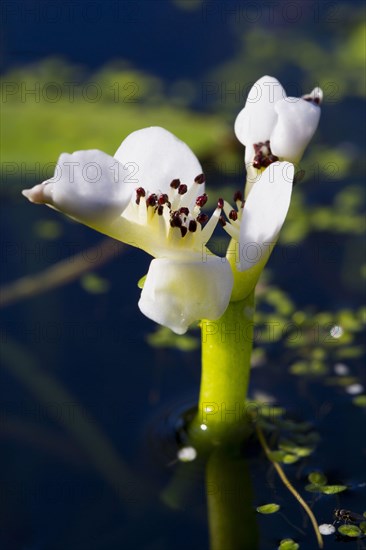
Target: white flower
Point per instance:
(275, 127)
(149, 195)
(256, 223)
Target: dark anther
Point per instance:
(263, 155)
(233, 215)
(312, 99)
(175, 184)
(238, 196)
(184, 210)
(202, 218)
(182, 189)
(220, 203)
(152, 200)
(201, 178)
(257, 146)
(140, 192)
(160, 209)
(192, 226)
(222, 221)
(201, 200)
(183, 230)
(175, 220)
(163, 199)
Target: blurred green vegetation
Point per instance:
(69, 111)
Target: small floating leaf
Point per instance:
(94, 284)
(290, 459)
(362, 526)
(360, 400)
(48, 229)
(268, 508)
(317, 478)
(277, 456)
(349, 530)
(332, 489)
(288, 544)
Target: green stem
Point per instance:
(231, 515)
(226, 350)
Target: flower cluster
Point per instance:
(158, 206)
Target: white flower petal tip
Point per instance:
(179, 293)
(156, 157)
(37, 194)
(274, 125)
(255, 121)
(264, 214)
(296, 124)
(87, 186)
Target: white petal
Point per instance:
(87, 185)
(178, 293)
(296, 124)
(256, 121)
(264, 213)
(155, 158)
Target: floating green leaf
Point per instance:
(268, 508)
(359, 400)
(294, 448)
(349, 530)
(290, 459)
(362, 526)
(277, 456)
(288, 544)
(48, 229)
(317, 478)
(94, 284)
(332, 489)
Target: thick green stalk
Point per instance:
(226, 350)
(232, 521)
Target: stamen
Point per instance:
(238, 196)
(233, 215)
(263, 155)
(201, 200)
(222, 221)
(184, 210)
(192, 226)
(151, 200)
(175, 220)
(140, 192)
(163, 198)
(160, 210)
(201, 178)
(202, 218)
(183, 230)
(175, 184)
(182, 189)
(220, 203)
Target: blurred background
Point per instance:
(89, 386)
